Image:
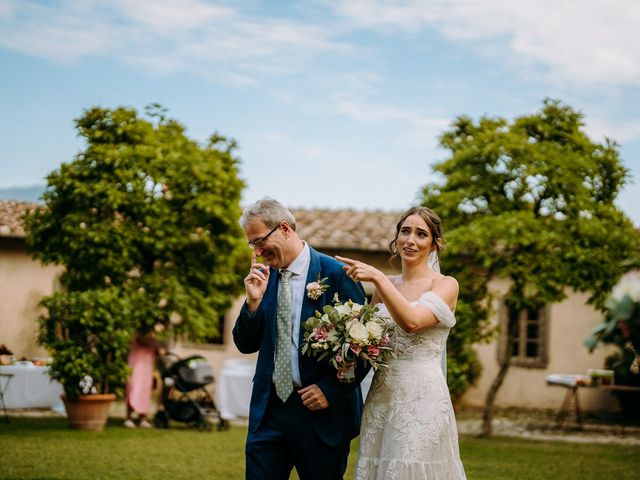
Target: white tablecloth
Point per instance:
(31, 387)
(233, 388)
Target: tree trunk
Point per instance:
(487, 415)
(505, 361)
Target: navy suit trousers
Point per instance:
(285, 439)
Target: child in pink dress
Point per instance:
(142, 356)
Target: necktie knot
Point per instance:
(285, 275)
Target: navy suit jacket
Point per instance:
(340, 422)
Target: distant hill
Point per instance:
(24, 194)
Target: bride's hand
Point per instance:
(359, 271)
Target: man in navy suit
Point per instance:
(300, 414)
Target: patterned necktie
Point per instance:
(282, 376)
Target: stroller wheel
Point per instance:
(203, 425)
(223, 425)
(161, 419)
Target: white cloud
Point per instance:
(170, 35)
(581, 42)
(165, 17)
(621, 131)
(42, 30)
(380, 112)
(275, 138)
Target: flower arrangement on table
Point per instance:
(345, 333)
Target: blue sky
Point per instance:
(333, 103)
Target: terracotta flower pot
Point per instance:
(88, 412)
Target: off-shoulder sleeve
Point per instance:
(439, 308)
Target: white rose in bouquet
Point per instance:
(359, 332)
(343, 309)
(374, 329)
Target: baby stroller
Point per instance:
(184, 397)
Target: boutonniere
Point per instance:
(317, 288)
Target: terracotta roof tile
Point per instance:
(11, 213)
(349, 229)
(322, 228)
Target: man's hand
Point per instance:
(255, 283)
(313, 398)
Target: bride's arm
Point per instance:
(415, 318)
(408, 317)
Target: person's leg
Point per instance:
(267, 457)
(129, 421)
(142, 421)
(313, 459)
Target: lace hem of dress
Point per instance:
(389, 469)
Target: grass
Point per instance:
(46, 449)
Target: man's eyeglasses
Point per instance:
(259, 242)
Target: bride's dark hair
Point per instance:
(433, 222)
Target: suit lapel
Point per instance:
(309, 306)
(271, 301)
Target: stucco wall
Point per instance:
(569, 323)
(23, 283)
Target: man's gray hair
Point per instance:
(270, 211)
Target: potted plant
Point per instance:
(88, 337)
(621, 327)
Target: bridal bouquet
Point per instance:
(345, 333)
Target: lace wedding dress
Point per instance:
(408, 426)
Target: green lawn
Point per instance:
(45, 449)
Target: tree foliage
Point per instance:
(532, 200)
(150, 212)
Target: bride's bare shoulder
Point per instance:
(446, 282)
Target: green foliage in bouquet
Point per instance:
(347, 332)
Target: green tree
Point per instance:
(532, 201)
(145, 211)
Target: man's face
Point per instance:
(273, 249)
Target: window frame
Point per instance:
(520, 359)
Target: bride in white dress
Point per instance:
(408, 426)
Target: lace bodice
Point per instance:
(426, 344)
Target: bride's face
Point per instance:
(415, 241)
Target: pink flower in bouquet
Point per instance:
(320, 333)
(346, 334)
(373, 351)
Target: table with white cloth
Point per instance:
(31, 387)
(233, 389)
